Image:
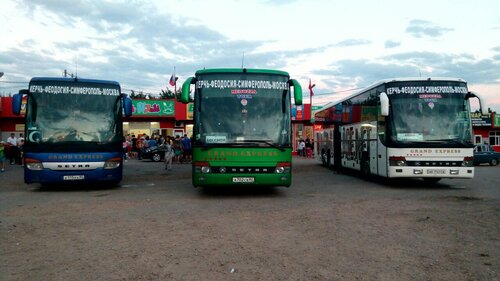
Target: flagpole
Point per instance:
(175, 84)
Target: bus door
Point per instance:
(381, 158)
(372, 148)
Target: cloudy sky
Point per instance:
(339, 45)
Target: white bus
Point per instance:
(407, 127)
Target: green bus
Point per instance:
(242, 126)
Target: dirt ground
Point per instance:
(327, 226)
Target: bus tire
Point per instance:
(494, 162)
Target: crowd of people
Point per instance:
(177, 149)
(11, 150)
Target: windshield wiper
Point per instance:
(455, 141)
(266, 142)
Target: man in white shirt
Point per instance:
(12, 142)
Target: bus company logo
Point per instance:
(76, 157)
(420, 152)
(247, 91)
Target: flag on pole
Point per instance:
(311, 88)
(173, 80)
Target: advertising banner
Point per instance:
(153, 108)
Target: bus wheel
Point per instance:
(494, 162)
(432, 180)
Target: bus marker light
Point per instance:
(418, 171)
(453, 172)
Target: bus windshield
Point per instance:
(258, 116)
(65, 118)
(439, 117)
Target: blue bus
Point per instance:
(73, 130)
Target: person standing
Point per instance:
(2, 156)
(13, 151)
(177, 146)
(186, 148)
(301, 148)
(20, 147)
(169, 154)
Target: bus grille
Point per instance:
(243, 170)
(434, 163)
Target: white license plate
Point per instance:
(243, 179)
(73, 177)
(436, 172)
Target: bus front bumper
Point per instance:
(201, 179)
(50, 176)
(430, 172)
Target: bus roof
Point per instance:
(75, 79)
(242, 70)
(381, 82)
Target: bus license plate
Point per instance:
(436, 172)
(243, 180)
(73, 177)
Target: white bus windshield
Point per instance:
(430, 117)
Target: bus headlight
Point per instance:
(397, 161)
(283, 167)
(201, 166)
(113, 163)
(468, 161)
(33, 164)
(279, 170)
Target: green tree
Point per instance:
(167, 94)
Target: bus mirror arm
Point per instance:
(127, 105)
(17, 101)
(184, 98)
(297, 91)
(482, 102)
(384, 104)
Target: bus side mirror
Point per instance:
(384, 104)
(127, 106)
(186, 86)
(482, 101)
(297, 91)
(17, 101)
